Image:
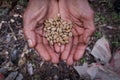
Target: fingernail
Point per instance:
(30, 42)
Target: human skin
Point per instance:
(76, 11)
(36, 13)
(81, 15)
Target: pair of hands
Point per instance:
(76, 11)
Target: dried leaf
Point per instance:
(92, 71)
(101, 50)
(117, 60)
(102, 73)
(82, 70)
(22, 61)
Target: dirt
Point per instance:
(16, 56)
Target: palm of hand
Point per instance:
(36, 13)
(81, 15)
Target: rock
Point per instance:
(3, 71)
(19, 77)
(30, 68)
(12, 76)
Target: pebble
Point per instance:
(12, 76)
(30, 68)
(12, 20)
(15, 15)
(19, 77)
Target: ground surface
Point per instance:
(18, 60)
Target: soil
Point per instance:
(16, 56)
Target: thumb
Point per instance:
(89, 29)
(30, 33)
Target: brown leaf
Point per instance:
(101, 50)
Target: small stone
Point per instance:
(19, 77)
(30, 68)
(12, 20)
(12, 76)
(15, 15)
(20, 16)
(1, 25)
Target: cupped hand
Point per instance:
(81, 15)
(35, 15)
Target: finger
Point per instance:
(40, 31)
(52, 47)
(79, 51)
(62, 48)
(30, 19)
(81, 40)
(57, 48)
(29, 33)
(63, 9)
(74, 46)
(70, 60)
(79, 30)
(41, 49)
(68, 46)
(89, 28)
(67, 50)
(53, 9)
(86, 35)
(30, 22)
(54, 56)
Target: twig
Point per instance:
(15, 38)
